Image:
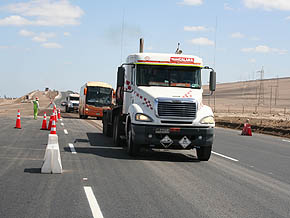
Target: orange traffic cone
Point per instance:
(50, 122)
(18, 121)
(58, 114)
(44, 124)
(247, 130)
(55, 115)
(53, 127)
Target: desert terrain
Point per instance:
(266, 105)
(9, 107)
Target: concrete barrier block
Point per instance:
(52, 159)
(52, 139)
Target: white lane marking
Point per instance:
(72, 148)
(65, 131)
(221, 155)
(285, 140)
(95, 208)
(62, 124)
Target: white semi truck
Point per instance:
(72, 102)
(159, 104)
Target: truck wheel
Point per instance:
(203, 153)
(105, 126)
(132, 148)
(66, 110)
(107, 129)
(116, 131)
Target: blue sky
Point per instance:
(62, 44)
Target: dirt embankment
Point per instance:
(278, 125)
(24, 103)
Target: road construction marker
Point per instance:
(95, 208)
(62, 124)
(221, 155)
(65, 131)
(72, 148)
(52, 159)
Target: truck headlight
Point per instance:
(207, 120)
(143, 118)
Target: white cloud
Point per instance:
(227, 7)
(39, 39)
(264, 49)
(42, 13)
(191, 2)
(66, 34)
(237, 35)
(268, 4)
(14, 20)
(287, 18)
(252, 60)
(201, 41)
(26, 33)
(51, 45)
(149, 48)
(47, 35)
(3, 46)
(254, 38)
(196, 28)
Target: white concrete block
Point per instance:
(52, 159)
(52, 139)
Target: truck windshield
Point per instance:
(99, 96)
(74, 98)
(156, 75)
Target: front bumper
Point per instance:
(198, 136)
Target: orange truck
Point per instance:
(94, 98)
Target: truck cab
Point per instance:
(72, 102)
(159, 104)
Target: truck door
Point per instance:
(129, 85)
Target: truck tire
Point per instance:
(203, 153)
(132, 148)
(116, 131)
(66, 109)
(107, 129)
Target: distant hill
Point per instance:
(251, 95)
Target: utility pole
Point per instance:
(271, 99)
(261, 87)
(277, 90)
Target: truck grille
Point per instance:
(180, 109)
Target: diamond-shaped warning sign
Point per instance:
(184, 142)
(166, 141)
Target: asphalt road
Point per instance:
(245, 177)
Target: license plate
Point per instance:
(162, 130)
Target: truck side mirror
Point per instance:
(212, 81)
(120, 76)
(85, 91)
